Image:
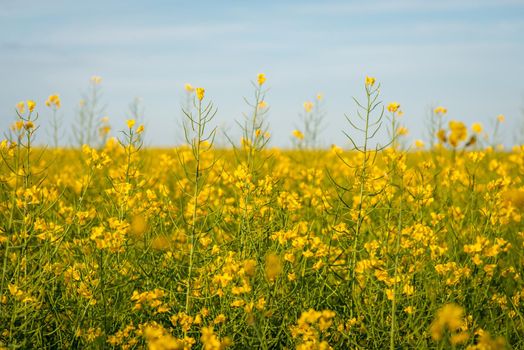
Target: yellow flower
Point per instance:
(200, 93)
(402, 131)
(31, 105)
(459, 132)
(370, 81)
(140, 129)
(449, 317)
(419, 143)
(441, 135)
(130, 123)
(501, 118)
(409, 310)
(320, 96)
(476, 127)
(262, 105)
(273, 266)
(53, 100)
(261, 79)
(298, 134)
(18, 125)
(95, 79)
(393, 107)
(308, 106)
(20, 106)
(189, 88)
(440, 110)
(29, 125)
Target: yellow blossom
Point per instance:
(298, 134)
(370, 81)
(308, 106)
(419, 143)
(31, 105)
(189, 88)
(261, 78)
(130, 123)
(54, 101)
(20, 106)
(262, 105)
(393, 107)
(476, 128)
(200, 93)
(440, 110)
(95, 79)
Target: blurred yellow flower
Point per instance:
(440, 110)
(261, 78)
(140, 129)
(320, 96)
(370, 81)
(200, 93)
(18, 125)
(449, 317)
(95, 79)
(53, 100)
(441, 135)
(189, 88)
(501, 118)
(262, 105)
(476, 127)
(459, 132)
(393, 107)
(401, 131)
(130, 123)
(31, 105)
(29, 125)
(298, 134)
(20, 106)
(308, 106)
(419, 143)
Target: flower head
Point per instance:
(298, 134)
(53, 101)
(95, 79)
(261, 78)
(440, 110)
(308, 106)
(200, 93)
(262, 104)
(393, 107)
(476, 127)
(501, 118)
(20, 107)
(370, 81)
(401, 131)
(31, 105)
(130, 123)
(189, 88)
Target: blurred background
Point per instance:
(464, 55)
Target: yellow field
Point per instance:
(252, 247)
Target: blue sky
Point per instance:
(465, 55)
